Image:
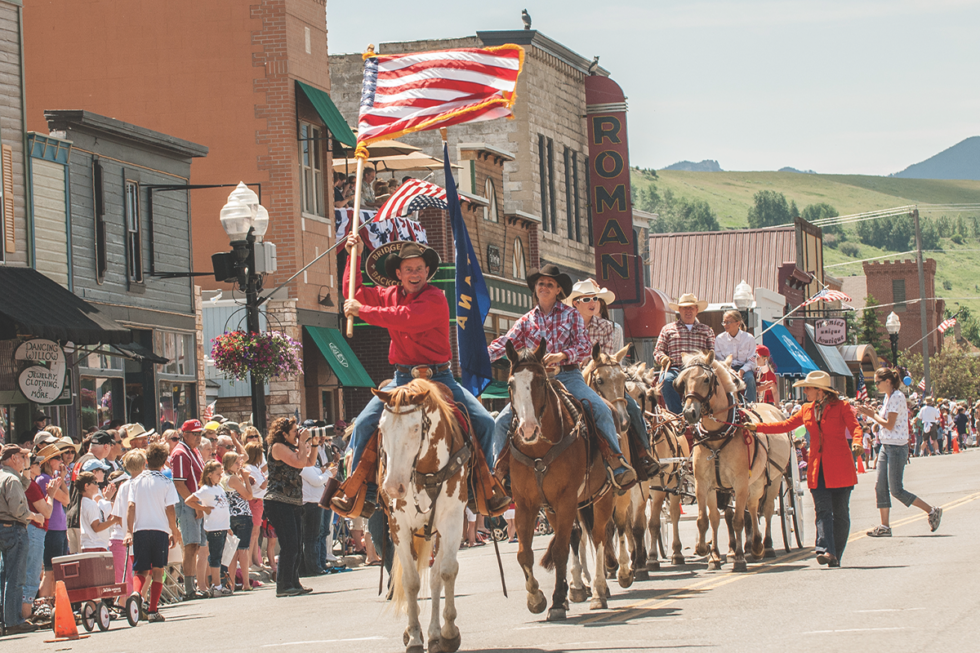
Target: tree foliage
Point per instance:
(953, 372)
(897, 234)
(770, 209)
(871, 329)
(675, 214)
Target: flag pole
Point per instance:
(355, 255)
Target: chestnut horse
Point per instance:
(556, 464)
(425, 460)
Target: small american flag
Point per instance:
(946, 325)
(862, 389)
(401, 201)
(405, 93)
(922, 384)
(826, 295)
(209, 410)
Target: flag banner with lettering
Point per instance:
(947, 325)
(376, 234)
(472, 297)
(406, 93)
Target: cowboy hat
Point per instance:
(688, 299)
(66, 443)
(136, 431)
(589, 287)
(43, 438)
(930, 401)
(550, 270)
(817, 379)
(49, 452)
(410, 249)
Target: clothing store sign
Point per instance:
(830, 332)
(43, 380)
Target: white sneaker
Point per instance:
(880, 531)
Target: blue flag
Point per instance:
(472, 297)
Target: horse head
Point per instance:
(608, 378)
(698, 383)
(528, 385)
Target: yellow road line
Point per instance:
(914, 518)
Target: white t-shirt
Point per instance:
(214, 497)
(900, 433)
(929, 415)
(313, 482)
(152, 492)
(258, 492)
(120, 508)
(93, 511)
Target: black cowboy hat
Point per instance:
(411, 249)
(551, 270)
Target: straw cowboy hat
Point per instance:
(410, 249)
(590, 287)
(818, 379)
(553, 271)
(67, 443)
(136, 431)
(49, 452)
(688, 299)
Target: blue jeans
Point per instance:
(636, 419)
(367, 421)
(833, 519)
(35, 562)
(575, 384)
(321, 551)
(891, 470)
(14, 544)
(749, 378)
(671, 398)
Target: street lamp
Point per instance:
(893, 326)
(744, 299)
(246, 222)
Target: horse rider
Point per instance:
(568, 347)
(740, 345)
(416, 316)
(685, 336)
(590, 300)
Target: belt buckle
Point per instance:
(421, 372)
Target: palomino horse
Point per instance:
(607, 377)
(727, 458)
(425, 462)
(558, 466)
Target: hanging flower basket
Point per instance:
(266, 355)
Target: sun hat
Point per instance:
(48, 452)
(816, 379)
(589, 287)
(553, 271)
(12, 450)
(66, 443)
(136, 431)
(688, 299)
(411, 249)
(94, 464)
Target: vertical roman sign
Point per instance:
(617, 264)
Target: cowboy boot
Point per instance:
(623, 478)
(501, 470)
(649, 464)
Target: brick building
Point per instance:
(898, 282)
(249, 80)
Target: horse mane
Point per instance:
(721, 372)
(430, 396)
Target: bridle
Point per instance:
(593, 373)
(712, 383)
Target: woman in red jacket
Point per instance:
(830, 470)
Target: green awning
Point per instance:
(339, 356)
(330, 114)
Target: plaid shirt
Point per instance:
(608, 334)
(563, 328)
(675, 339)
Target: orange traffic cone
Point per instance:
(956, 444)
(64, 620)
(861, 469)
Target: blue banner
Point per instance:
(472, 297)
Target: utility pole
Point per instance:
(923, 309)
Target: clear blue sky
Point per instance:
(840, 86)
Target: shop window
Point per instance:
(311, 140)
(177, 402)
(519, 264)
(134, 240)
(490, 211)
(898, 294)
(98, 196)
(180, 349)
(101, 399)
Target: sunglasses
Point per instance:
(252, 437)
(174, 439)
(587, 300)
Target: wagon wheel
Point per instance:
(133, 610)
(796, 498)
(785, 510)
(102, 617)
(88, 615)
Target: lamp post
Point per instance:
(246, 221)
(893, 326)
(744, 299)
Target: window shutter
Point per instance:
(8, 198)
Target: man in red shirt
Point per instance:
(187, 465)
(416, 315)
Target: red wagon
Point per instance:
(90, 579)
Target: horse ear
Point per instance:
(596, 351)
(642, 368)
(619, 355)
(512, 355)
(729, 359)
(383, 395)
(541, 350)
(710, 358)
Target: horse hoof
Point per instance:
(610, 574)
(578, 595)
(653, 565)
(641, 574)
(536, 603)
(598, 604)
(625, 580)
(608, 593)
(556, 614)
(415, 649)
(714, 565)
(701, 550)
(740, 565)
(450, 645)
(435, 645)
(677, 560)
(770, 553)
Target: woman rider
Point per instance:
(590, 300)
(568, 347)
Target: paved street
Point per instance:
(914, 592)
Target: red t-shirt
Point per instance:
(187, 465)
(34, 494)
(769, 397)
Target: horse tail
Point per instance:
(586, 517)
(548, 559)
(399, 599)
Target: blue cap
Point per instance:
(94, 464)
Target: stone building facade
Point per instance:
(897, 282)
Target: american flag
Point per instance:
(946, 325)
(826, 295)
(922, 384)
(209, 410)
(407, 93)
(862, 389)
(401, 201)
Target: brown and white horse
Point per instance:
(425, 462)
(556, 464)
(727, 458)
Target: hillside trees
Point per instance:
(897, 234)
(676, 214)
(871, 329)
(770, 209)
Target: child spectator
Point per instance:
(56, 537)
(151, 525)
(236, 483)
(258, 484)
(212, 500)
(95, 519)
(134, 463)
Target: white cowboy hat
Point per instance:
(818, 379)
(589, 287)
(136, 431)
(688, 299)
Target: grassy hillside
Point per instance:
(730, 195)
